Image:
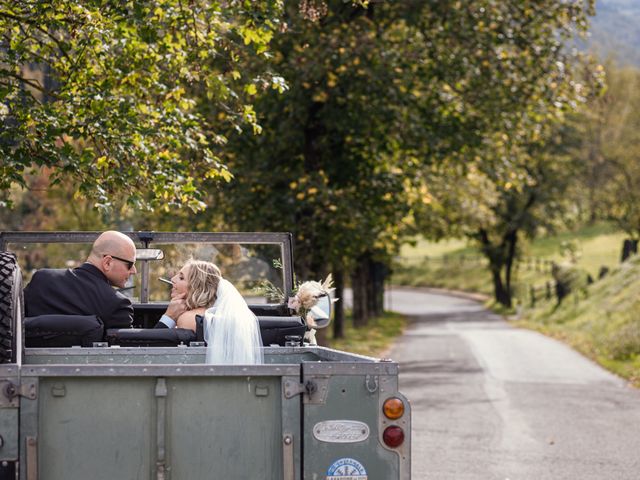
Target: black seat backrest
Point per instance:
(150, 337)
(83, 330)
(62, 330)
(274, 330)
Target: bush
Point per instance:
(624, 342)
(569, 279)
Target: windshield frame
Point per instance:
(147, 239)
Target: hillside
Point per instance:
(457, 265)
(615, 31)
(602, 321)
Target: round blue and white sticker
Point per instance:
(346, 469)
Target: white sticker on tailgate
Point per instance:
(346, 469)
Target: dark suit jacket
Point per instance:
(81, 291)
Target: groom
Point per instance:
(88, 289)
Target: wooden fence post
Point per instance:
(532, 291)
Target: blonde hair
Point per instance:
(203, 280)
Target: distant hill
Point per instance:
(615, 31)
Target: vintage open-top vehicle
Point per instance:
(81, 402)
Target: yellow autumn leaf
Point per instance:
(320, 97)
(332, 80)
(102, 162)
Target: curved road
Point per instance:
(490, 401)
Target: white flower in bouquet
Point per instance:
(307, 295)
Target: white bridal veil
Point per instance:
(231, 330)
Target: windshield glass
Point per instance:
(249, 265)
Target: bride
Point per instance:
(231, 330)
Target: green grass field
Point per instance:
(458, 265)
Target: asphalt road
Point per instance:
(490, 401)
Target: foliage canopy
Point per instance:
(106, 92)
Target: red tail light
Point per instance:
(393, 436)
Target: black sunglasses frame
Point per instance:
(129, 263)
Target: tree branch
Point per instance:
(39, 28)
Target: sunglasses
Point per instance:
(128, 263)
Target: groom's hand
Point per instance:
(177, 306)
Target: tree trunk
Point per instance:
(629, 247)
(502, 295)
(338, 317)
(359, 286)
(379, 275)
(370, 268)
(511, 240)
(371, 275)
(496, 261)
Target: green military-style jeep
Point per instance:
(77, 402)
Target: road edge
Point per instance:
(478, 297)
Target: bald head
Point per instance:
(112, 242)
(111, 253)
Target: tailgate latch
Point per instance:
(313, 390)
(10, 392)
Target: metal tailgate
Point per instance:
(155, 422)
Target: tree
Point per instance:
(610, 149)
(382, 97)
(603, 133)
(106, 93)
(499, 210)
(329, 164)
(517, 85)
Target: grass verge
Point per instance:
(373, 340)
(601, 321)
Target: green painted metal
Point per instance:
(101, 428)
(347, 399)
(106, 428)
(224, 427)
(122, 414)
(9, 434)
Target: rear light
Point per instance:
(393, 408)
(393, 436)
